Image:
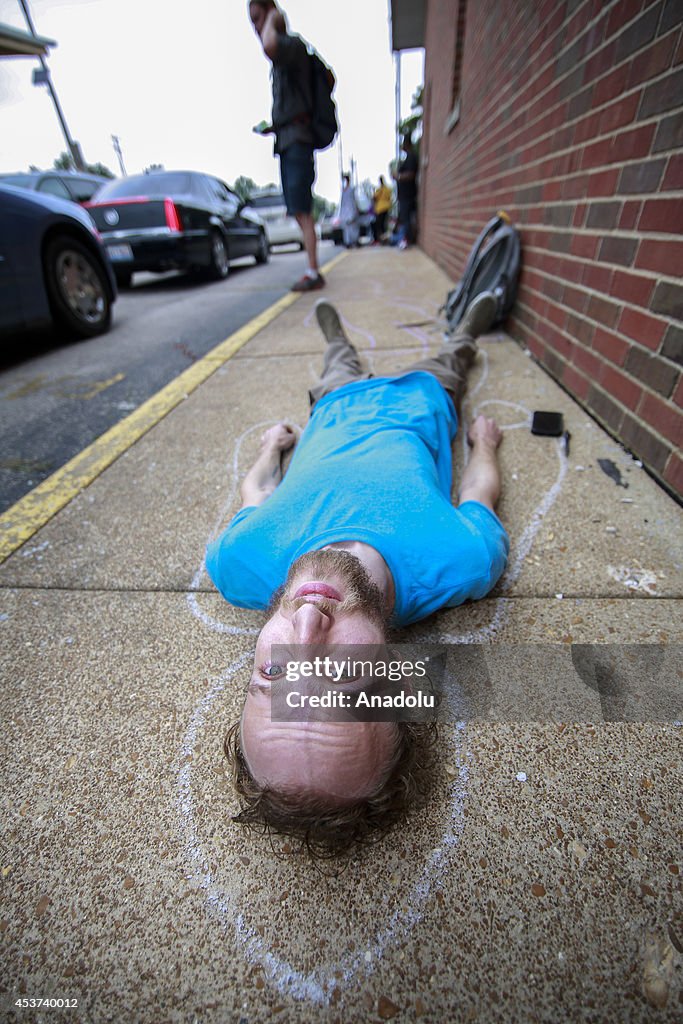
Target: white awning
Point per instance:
(407, 24)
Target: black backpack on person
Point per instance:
(324, 114)
(493, 265)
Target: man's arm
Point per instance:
(481, 479)
(266, 473)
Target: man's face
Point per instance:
(327, 599)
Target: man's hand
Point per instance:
(485, 431)
(266, 473)
(481, 479)
(272, 26)
(276, 21)
(279, 438)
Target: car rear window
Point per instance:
(54, 187)
(262, 202)
(18, 180)
(173, 183)
(82, 189)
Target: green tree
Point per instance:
(412, 125)
(100, 169)
(64, 162)
(321, 207)
(244, 187)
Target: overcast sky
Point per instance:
(181, 84)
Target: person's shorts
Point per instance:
(297, 171)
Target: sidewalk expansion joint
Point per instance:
(211, 592)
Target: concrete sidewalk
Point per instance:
(543, 882)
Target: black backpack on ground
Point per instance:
(493, 265)
(324, 114)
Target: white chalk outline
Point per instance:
(215, 624)
(318, 985)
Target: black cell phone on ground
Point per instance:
(548, 424)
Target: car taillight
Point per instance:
(172, 218)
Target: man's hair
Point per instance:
(327, 831)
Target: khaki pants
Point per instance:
(450, 366)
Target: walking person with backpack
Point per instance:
(303, 120)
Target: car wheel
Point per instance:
(76, 287)
(263, 252)
(301, 246)
(123, 278)
(219, 267)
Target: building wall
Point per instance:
(571, 119)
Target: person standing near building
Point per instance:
(349, 214)
(382, 199)
(291, 124)
(406, 182)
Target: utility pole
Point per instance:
(72, 146)
(117, 150)
(397, 61)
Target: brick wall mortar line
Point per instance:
(597, 233)
(569, 229)
(604, 362)
(631, 342)
(482, 134)
(604, 13)
(579, 286)
(608, 266)
(631, 235)
(557, 154)
(587, 172)
(590, 56)
(594, 352)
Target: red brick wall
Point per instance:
(572, 121)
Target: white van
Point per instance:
(280, 228)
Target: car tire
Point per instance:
(123, 278)
(301, 246)
(219, 266)
(263, 252)
(77, 287)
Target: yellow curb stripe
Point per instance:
(28, 515)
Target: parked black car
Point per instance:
(77, 186)
(175, 220)
(53, 267)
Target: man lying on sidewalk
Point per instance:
(359, 535)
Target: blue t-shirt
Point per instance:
(373, 465)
